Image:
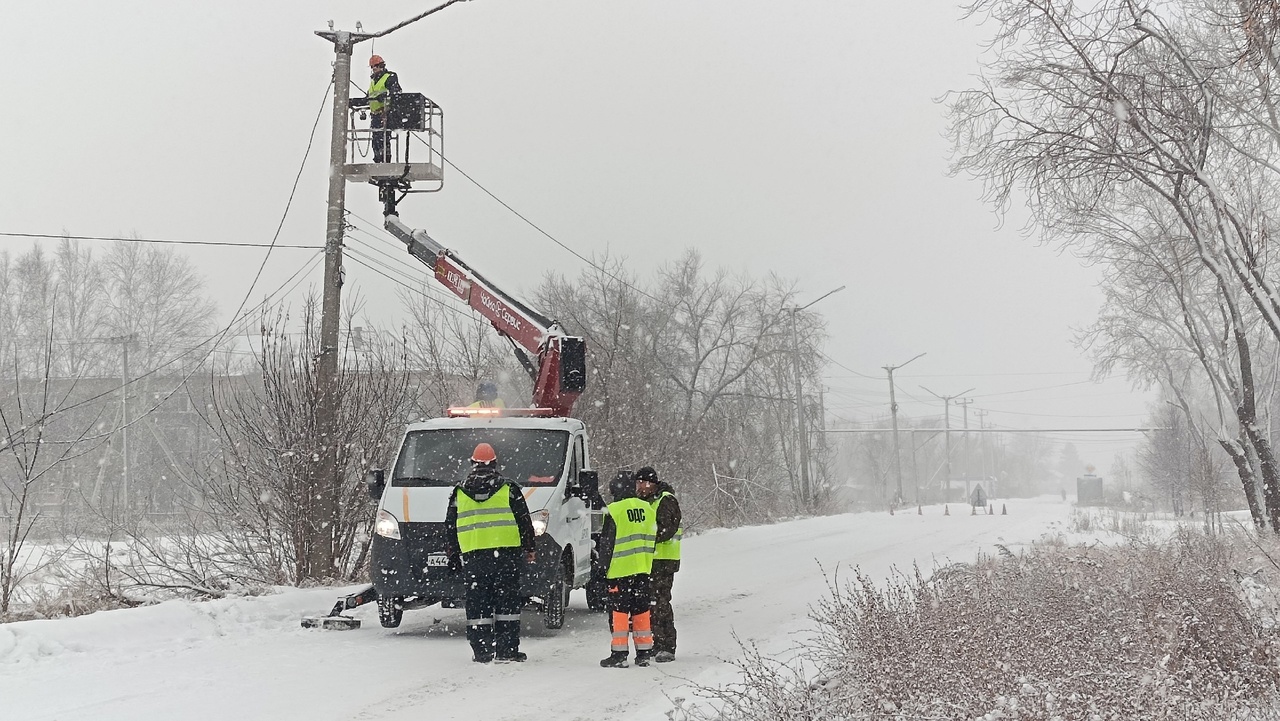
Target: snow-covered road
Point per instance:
(247, 659)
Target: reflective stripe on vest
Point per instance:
(667, 550)
(486, 524)
(378, 88)
(636, 528)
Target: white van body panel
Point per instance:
(569, 520)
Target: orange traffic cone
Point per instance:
(946, 510)
(1004, 510)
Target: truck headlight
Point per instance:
(540, 519)
(387, 526)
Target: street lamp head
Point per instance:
(824, 295)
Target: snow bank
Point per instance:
(171, 624)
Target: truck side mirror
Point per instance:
(376, 480)
(589, 488)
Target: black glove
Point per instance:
(455, 565)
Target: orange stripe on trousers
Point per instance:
(620, 623)
(642, 631)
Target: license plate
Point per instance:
(437, 560)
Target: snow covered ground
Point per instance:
(247, 658)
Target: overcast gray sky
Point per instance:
(800, 137)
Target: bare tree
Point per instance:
(1139, 134)
(37, 437)
(451, 351)
(689, 372)
(263, 498)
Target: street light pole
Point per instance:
(893, 409)
(802, 428)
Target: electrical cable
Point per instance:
(536, 227)
(841, 365)
(220, 243)
(452, 307)
(237, 316)
(412, 276)
(1029, 390)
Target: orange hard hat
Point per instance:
(483, 453)
(375, 61)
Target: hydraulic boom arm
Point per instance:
(559, 372)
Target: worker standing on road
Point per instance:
(666, 559)
(490, 536)
(626, 552)
(382, 85)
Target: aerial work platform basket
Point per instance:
(414, 142)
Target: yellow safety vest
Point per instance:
(667, 550)
(378, 88)
(636, 529)
(495, 403)
(486, 524)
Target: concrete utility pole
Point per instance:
(324, 482)
(982, 447)
(946, 405)
(965, 403)
(124, 341)
(893, 409)
(803, 432)
(124, 423)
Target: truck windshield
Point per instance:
(442, 456)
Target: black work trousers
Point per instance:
(493, 601)
(629, 600)
(664, 619)
(378, 123)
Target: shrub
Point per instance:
(1141, 631)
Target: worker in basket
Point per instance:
(490, 535)
(382, 85)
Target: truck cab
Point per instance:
(547, 457)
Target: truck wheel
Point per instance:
(596, 594)
(556, 602)
(390, 611)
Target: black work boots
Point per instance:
(617, 659)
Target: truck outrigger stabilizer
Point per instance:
(335, 621)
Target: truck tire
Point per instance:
(558, 599)
(596, 594)
(390, 612)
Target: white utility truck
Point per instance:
(540, 447)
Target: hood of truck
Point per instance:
(430, 505)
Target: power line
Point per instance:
(237, 316)
(171, 241)
(1030, 390)
(422, 289)
(549, 236)
(847, 368)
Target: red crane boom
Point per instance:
(559, 372)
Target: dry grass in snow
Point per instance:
(1147, 630)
